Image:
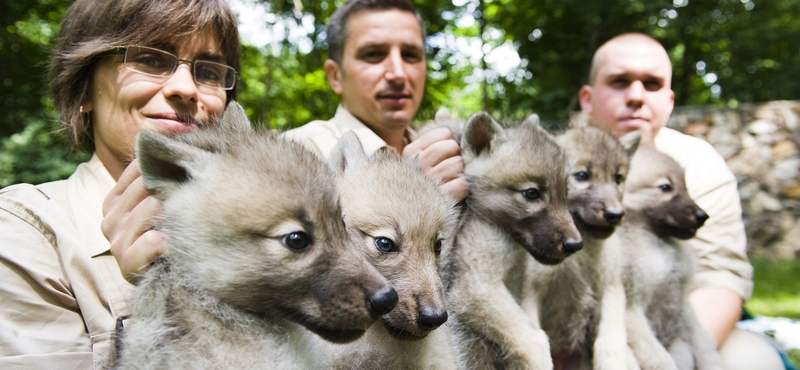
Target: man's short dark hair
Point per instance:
(337, 26)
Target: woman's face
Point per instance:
(122, 102)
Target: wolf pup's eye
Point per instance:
(531, 194)
(385, 245)
(581, 176)
(437, 247)
(665, 188)
(296, 241)
(618, 178)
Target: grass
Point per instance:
(776, 292)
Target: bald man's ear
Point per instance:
(334, 74)
(585, 98)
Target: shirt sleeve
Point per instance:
(40, 322)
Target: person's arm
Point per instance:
(40, 320)
(717, 309)
(130, 212)
(440, 159)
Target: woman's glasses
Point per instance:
(159, 63)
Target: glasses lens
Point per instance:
(150, 61)
(214, 74)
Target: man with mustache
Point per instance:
(376, 51)
(630, 89)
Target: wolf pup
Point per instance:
(399, 219)
(518, 203)
(580, 303)
(663, 332)
(257, 244)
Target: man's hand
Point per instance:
(130, 212)
(440, 159)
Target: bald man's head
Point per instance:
(629, 85)
(611, 48)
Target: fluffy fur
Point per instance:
(580, 303)
(257, 245)
(663, 332)
(517, 206)
(399, 220)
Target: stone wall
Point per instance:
(760, 143)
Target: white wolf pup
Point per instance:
(257, 244)
(580, 303)
(517, 206)
(398, 218)
(663, 332)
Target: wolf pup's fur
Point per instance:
(398, 219)
(518, 203)
(658, 267)
(257, 244)
(580, 303)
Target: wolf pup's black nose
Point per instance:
(571, 246)
(431, 318)
(701, 216)
(382, 302)
(612, 215)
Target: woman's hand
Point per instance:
(130, 212)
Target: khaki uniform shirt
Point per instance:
(61, 289)
(322, 136)
(720, 245)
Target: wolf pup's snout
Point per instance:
(431, 318)
(701, 217)
(571, 246)
(382, 302)
(613, 215)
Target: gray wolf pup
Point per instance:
(398, 219)
(518, 203)
(657, 267)
(580, 303)
(257, 244)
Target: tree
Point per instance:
(508, 57)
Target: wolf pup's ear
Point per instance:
(347, 154)
(234, 119)
(533, 120)
(630, 141)
(481, 134)
(167, 163)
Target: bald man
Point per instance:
(630, 89)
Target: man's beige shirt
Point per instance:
(720, 245)
(61, 290)
(322, 136)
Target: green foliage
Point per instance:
(776, 289)
(724, 52)
(37, 155)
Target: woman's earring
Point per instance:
(84, 116)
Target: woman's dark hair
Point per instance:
(93, 27)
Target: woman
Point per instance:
(119, 66)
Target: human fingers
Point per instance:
(131, 174)
(137, 258)
(448, 169)
(456, 188)
(132, 224)
(442, 114)
(427, 139)
(437, 153)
